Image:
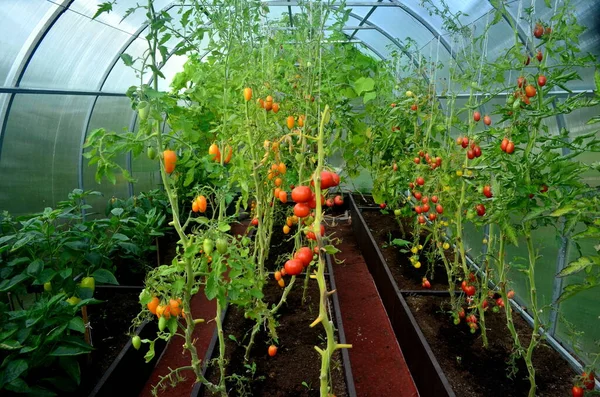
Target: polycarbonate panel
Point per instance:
(473, 9)
(378, 41)
(435, 53)
(121, 76)
(577, 125)
(115, 17)
(74, 54)
(390, 19)
(112, 114)
(279, 13)
(546, 246)
(19, 19)
(580, 312)
(173, 66)
(40, 151)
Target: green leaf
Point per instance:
(562, 211)
(364, 84)
(511, 233)
(117, 211)
(330, 249)
(212, 286)
(19, 386)
(120, 237)
(597, 81)
(127, 59)
(571, 290)
(76, 324)
(369, 96)
(70, 350)
(10, 345)
(104, 276)
(189, 177)
(71, 367)
(103, 8)
(150, 353)
(14, 369)
(401, 243)
(224, 227)
(6, 285)
(578, 265)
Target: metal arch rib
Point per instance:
(365, 18)
(24, 57)
(103, 79)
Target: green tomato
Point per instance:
(88, 282)
(299, 158)
(222, 245)
(151, 152)
(397, 212)
(48, 286)
(208, 246)
(162, 324)
(143, 110)
(74, 300)
(136, 342)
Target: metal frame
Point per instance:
(365, 18)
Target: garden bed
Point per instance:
(460, 364)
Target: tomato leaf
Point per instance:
(104, 8)
(189, 177)
(127, 59)
(578, 265)
(562, 211)
(150, 353)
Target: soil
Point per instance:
(294, 371)
(385, 228)
(109, 333)
(474, 371)
(367, 326)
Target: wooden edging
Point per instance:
(424, 367)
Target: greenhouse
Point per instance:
(300, 198)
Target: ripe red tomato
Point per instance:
(544, 189)
(439, 209)
(470, 290)
(510, 147)
(421, 219)
(520, 81)
(382, 205)
(504, 144)
(438, 161)
(425, 200)
(538, 31)
(539, 56)
(272, 350)
(425, 207)
(413, 107)
(418, 209)
(293, 267)
(301, 210)
(329, 202)
(588, 380)
(434, 199)
(326, 180)
(411, 185)
(465, 140)
(480, 208)
(476, 116)
(470, 154)
(487, 120)
(542, 80)
(510, 294)
(395, 167)
(487, 191)
(527, 60)
(301, 194)
(477, 151)
(500, 302)
(304, 255)
(420, 181)
(432, 216)
(417, 195)
(421, 153)
(417, 160)
(338, 200)
(336, 179)
(461, 313)
(577, 391)
(425, 283)
(254, 222)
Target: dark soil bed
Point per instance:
(110, 330)
(385, 228)
(296, 361)
(474, 371)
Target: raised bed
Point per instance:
(421, 329)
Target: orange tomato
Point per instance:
(277, 275)
(275, 168)
(247, 93)
(281, 283)
(201, 202)
(170, 159)
(268, 106)
(278, 182)
(282, 168)
(153, 304)
(275, 107)
(214, 152)
(163, 311)
(272, 350)
(175, 309)
(228, 154)
(276, 192)
(290, 122)
(283, 196)
(286, 229)
(195, 206)
(260, 103)
(275, 146)
(270, 175)
(289, 220)
(301, 121)
(269, 99)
